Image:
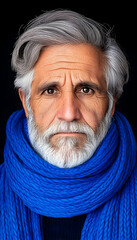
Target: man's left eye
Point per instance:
(50, 91)
(87, 90)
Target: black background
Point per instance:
(122, 17)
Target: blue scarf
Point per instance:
(104, 187)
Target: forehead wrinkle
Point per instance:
(58, 65)
(75, 75)
(56, 72)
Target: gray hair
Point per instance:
(67, 27)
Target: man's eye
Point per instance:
(87, 90)
(50, 91)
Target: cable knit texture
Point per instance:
(104, 187)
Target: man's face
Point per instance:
(69, 85)
(69, 110)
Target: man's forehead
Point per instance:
(70, 54)
(55, 63)
(64, 75)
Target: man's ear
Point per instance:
(22, 98)
(114, 105)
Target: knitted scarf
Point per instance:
(104, 187)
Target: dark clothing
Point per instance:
(63, 228)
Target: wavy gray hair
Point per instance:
(67, 27)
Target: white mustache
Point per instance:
(63, 126)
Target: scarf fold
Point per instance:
(104, 187)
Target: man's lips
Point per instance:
(68, 133)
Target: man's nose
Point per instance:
(69, 108)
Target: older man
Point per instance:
(70, 158)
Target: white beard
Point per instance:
(68, 152)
